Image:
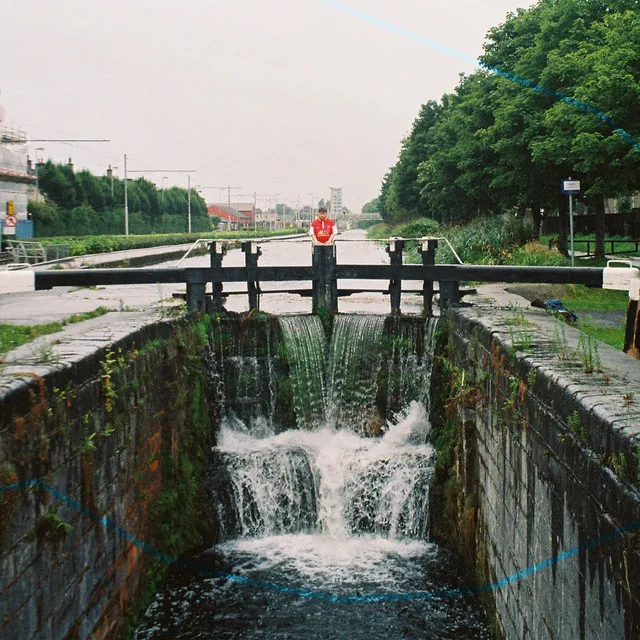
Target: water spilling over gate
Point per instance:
(324, 521)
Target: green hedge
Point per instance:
(79, 246)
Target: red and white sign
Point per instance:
(10, 223)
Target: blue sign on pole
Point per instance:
(570, 187)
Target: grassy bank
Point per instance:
(13, 335)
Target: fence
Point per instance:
(35, 252)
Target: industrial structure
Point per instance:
(335, 202)
(15, 182)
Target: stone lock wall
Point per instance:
(542, 481)
(96, 488)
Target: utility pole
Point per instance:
(188, 203)
(229, 187)
(126, 201)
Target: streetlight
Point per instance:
(126, 199)
(255, 218)
(311, 214)
(188, 203)
(110, 171)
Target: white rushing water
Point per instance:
(328, 481)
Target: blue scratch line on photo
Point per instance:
(109, 525)
(508, 75)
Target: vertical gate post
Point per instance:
(428, 253)
(325, 284)
(251, 254)
(216, 253)
(632, 331)
(394, 249)
(449, 294)
(197, 296)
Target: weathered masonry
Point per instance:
(546, 475)
(100, 457)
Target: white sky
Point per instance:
(285, 97)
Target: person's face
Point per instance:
(322, 215)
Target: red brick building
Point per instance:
(240, 217)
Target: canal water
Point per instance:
(324, 526)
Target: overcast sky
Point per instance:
(286, 97)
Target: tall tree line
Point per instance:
(557, 95)
(83, 204)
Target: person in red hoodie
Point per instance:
(323, 230)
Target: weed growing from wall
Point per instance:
(559, 340)
(589, 356)
(574, 422)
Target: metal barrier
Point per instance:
(323, 275)
(56, 251)
(612, 244)
(26, 251)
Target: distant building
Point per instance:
(267, 219)
(230, 217)
(335, 203)
(15, 182)
(246, 209)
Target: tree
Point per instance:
(373, 206)
(56, 185)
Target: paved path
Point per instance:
(41, 307)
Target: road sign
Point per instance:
(570, 187)
(8, 225)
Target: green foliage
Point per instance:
(618, 462)
(52, 527)
(8, 497)
(588, 349)
(490, 240)
(558, 97)
(574, 422)
(12, 336)
(83, 245)
(420, 228)
(78, 203)
(372, 207)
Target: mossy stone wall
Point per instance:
(537, 473)
(101, 460)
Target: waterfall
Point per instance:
(326, 481)
(409, 364)
(304, 342)
(353, 377)
(326, 477)
(242, 372)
